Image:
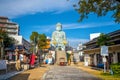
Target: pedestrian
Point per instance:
(32, 60)
(21, 57)
(18, 64)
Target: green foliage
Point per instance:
(34, 36)
(99, 7)
(115, 68)
(105, 74)
(7, 41)
(42, 41)
(103, 39)
(38, 40)
(34, 40)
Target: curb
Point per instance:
(43, 78)
(7, 76)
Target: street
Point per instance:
(67, 73)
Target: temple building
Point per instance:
(92, 51)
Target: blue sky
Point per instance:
(43, 15)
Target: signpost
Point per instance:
(104, 50)
(104, 53)
(3, 65)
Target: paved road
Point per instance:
(67, 73)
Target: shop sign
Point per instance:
(104, 59)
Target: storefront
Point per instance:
(93, 57)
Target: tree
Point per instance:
(103, 40)
(7, 41)
(41, 45)
(39, 41)
(34, 40)
(99, 7)
(42, 41)
(34, 37)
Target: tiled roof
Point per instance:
(109, 34)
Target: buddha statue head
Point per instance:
(58, 26)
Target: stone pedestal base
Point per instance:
(61, 57)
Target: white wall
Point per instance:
(21, 41)
(86, 60)
(94, 35)
(115, 58)
(18, 39)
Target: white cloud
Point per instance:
(50, 28)
(87, 25)
(13, 8)
(44, 28)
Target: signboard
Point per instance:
(104, 59)
(3, 65)
(104, 50)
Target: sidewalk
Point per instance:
(96, 71)
(89, 69)
(6, 76)
(37, 73)
(32, 74)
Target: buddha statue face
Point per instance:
(58, 27)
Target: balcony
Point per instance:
(12, 27)
(12, 31)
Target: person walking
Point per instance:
(32, 60)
